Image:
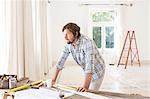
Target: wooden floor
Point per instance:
(118, 83)
(133, 80)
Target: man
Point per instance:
(86, 54)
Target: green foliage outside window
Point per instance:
(103, 16)
(109, 37)
(100, 18)
(97, 36)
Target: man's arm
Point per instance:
(60, 63)
(54, 78)
(89, 65)
(86, 84)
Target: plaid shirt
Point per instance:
(86, 55)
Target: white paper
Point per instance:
(51, 94)
(39, 94)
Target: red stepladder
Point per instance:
(129, 50)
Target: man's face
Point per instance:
(69, 36)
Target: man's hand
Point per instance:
(82, 89)
(53, 82)
(86, 84)
(55, 76)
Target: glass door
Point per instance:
(103, 29)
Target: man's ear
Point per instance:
(76, 34)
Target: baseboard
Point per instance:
(143, 62)
(72, 63)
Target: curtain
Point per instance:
(26, 44)
(4, 40)
(36, 47)
(36, 43)
(16, 42)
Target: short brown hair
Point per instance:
(72, 27)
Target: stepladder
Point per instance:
(129, 51)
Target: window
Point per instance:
(97, 36)
(103, 16)
(109, 37)
(103, 28)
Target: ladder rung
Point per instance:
(132, 38)
(124, 57)
(126, 48)
(121, 64)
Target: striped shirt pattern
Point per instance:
(86, 55)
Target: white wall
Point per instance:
(135, 17)
(148, 36)
(62, 13)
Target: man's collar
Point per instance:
(78, 41)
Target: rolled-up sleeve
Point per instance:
(63, 57)
(89, 57)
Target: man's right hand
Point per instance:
(55, 77)
(53, 82)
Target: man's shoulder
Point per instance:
(67, 45)
(85, 38)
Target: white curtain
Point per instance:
(36, 47)
(14, 27)
(25, 45)
(4, 39)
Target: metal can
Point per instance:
(12, 83)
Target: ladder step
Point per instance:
(132, 38)
(124, 57)
(126, 49)
(121, 64)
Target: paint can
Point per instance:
(12, 82)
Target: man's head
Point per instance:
(72, 32)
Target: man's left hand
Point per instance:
(81, 89)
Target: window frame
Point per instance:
(102, 25)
